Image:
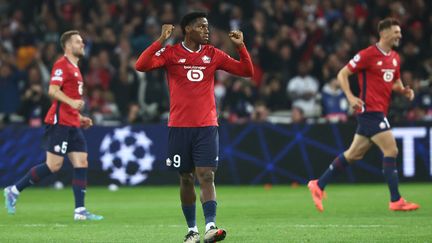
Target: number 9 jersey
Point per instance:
(68, 76)
(190, 77)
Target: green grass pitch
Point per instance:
(353, 213)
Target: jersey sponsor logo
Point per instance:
(388, 74)
(206, 59)
(158, 53)
(395, 63)
(195, 75)
(182, 60)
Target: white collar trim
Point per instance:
(382, 51)
(189, 50)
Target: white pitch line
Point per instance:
(35, 225)
(344, 226)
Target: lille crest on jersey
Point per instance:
(206, 59)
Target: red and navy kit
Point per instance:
(68, 76)
(193, 137)
(63, 134)
(191, 79)
(377, 72)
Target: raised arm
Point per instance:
(243, 67)
(150, 58)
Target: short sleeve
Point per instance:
(358, 62)
(57, 75)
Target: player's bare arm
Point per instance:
(166, 32)
(85, 121)
(236, 37)
(355, 102)
(55, 92)
(403, 90)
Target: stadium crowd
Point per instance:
(297, 47)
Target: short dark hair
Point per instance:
(66, 36)
(387, 23)
(189, 18)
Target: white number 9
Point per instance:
(177, 160)
(195, 75)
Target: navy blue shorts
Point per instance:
(371, 123)
(190, 147)
(60, 140)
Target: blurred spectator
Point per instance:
(35, 104)
(260, 113)
(239, 102)
(334, 103)
(303, 90)
(9, 91)
(297, 115)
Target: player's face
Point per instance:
(200, 31)
(77, 46)
(394, 35)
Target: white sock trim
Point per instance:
(15, 190)
(79, 209)
(194, 229)
(210, 224)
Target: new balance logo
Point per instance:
(379, 63)
(182, 60)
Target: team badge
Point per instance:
(206, 59)
(57, 148)
(382, 125)
(379, 63)
(168, 162)
(395, 62)
(76, 74)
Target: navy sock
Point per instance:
(79, 184)
(189, 213)
(33, 176)
(209, 209)
(391, 176)
(337, 166)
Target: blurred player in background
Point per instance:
(193, 142)
(63, 135)
(378, 68)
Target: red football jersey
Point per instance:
(191, 79)
(68, 76)
(377, 72)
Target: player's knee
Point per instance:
(81, 164)
(392, 152)
(353, 157)
(206, 176)
(55, 166)
(187, 179)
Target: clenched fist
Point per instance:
(166, 32)
(236, 37)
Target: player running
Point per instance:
(63, 135)
(378, 68)
(193, 140)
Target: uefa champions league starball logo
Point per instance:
(126, 155)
